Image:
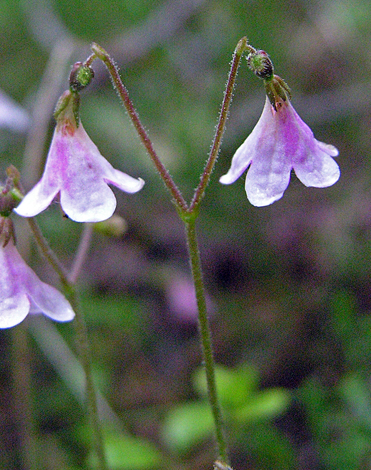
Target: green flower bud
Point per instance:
(80, 76)
(10, 193)
(115, 226)
(260, 63)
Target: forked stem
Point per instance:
(189, 214)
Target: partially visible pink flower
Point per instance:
(280, 142)
(22, 292)
(181, 298)
(76, 169)
(12, 115)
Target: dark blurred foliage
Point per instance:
(289, 285)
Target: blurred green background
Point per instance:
(289, 285)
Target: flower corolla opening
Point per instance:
(22, 292)
(77, 171)
(281, 142)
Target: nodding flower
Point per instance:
(76, 171)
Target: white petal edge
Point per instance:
(49, 301)
(124, 182)
(14, 310)
(35, 202)
(95, 206)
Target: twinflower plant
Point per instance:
(77, 172)
(280, 142)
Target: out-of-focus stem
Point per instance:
(81, 253)
(82, 342)
(22, 398)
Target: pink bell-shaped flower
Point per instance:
(79, 173)
(280, 142)
(22, 292)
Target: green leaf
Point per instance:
(234, 385)
(355, 391)
(128, 452)
(266, 404)
(187, 425)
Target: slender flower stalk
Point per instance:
(223, 116)
(82, 252)
(48, 253)
(91, 394)
(146, 141)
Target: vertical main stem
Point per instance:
(204, 328)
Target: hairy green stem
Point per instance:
(223, 116)
(146, 141)
(48, 253)
(189, 214)
(205, 334)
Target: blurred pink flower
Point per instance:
(280, 142)
(22, 292)
(76, 169)
(181, 298)
(12, 115)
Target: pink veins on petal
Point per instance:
(280, 142)
(22, 292)
(76, 169)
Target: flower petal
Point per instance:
(279, 142)
(328, 148)
(77, 170)
(240, 161)
(37, 200)
(91, 201)
(248, 151)
(13, 310)
(85, 195)
(124, 182)
(318, 169)
(22, 292)
(267, 180)
(49, 301)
